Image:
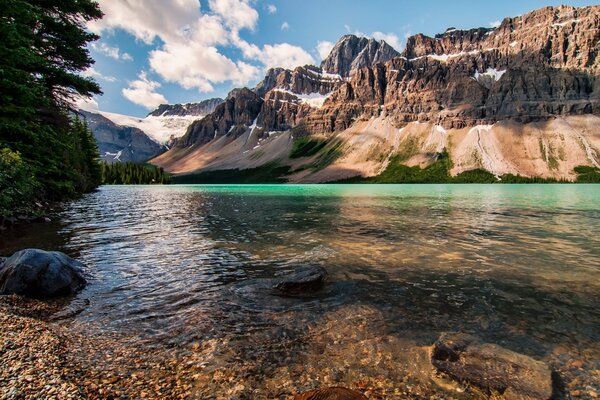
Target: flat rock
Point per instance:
(492, 367)
(38, 274)
(333, 393)
(304, 281)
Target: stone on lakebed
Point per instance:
(304, 281)
(333, 393)
(492, 367)
(38, 274)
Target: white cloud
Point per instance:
(143, 92)
(198, 66)
(285, 26)
(495, 24)
(271, 8)
(282, 55)
(324, 48)
(390, 38)
(188, 52)
(237, 14)
(111, 51)
(86, 103)
(93, 73)
(147, 19)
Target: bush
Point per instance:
(17, 184)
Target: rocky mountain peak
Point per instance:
(200, 109)
(352, 52)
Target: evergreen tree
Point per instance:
(42, 51)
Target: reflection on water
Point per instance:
(516, 265)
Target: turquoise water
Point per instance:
(517, 265)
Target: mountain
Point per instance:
(200, 109)
(352, 53)
(126, 138)
(523, 98)
(118, 143)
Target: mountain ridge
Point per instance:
(473, 83)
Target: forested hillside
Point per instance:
(45, 152)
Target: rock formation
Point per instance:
(352, 53)
(470, 92)
(37, 273)
(304, 281)
(492, 367)
(199, 109)
(118, 143)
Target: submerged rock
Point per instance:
(491, 367)
(333, 393)
(38, 273)
(307, 280)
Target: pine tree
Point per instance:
(42, 51)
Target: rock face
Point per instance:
(539, 72)
(333, 393)
(534, 67)
(352, 53)
(118, 143)
(492, 367)
(305, 281)
(37, 273)
(200, 109)
(232, 118)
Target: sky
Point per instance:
(179, 51)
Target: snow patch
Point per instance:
(569, 22)
(160, 129)
(493, 73)
(314, 100)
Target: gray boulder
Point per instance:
(491, 367)
(305, 281)
(38, 273)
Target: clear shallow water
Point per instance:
(517, 265)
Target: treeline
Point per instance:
(45, 152)
(129, 173)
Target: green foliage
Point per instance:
(130, 173)
(17, 184)
(306, 147)
(269, 173)
(42, 51)
(439, 172)
(396, 172)
(587, 174)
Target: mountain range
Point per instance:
(522, 98)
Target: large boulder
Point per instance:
(305, 281)
(491, 367)
(333, 393)
(38, 273)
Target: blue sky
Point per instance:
(154, 51)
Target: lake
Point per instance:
(180, 270)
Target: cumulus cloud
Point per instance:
(147, 19)
(271, 8)
(237, 14)
(197, 66)
(285, 26)
(93, 73)
(187, 40)
(324, 48)
(390, 38)
(282, 55)
(111, 51)
(143, 92)
(495, 24)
